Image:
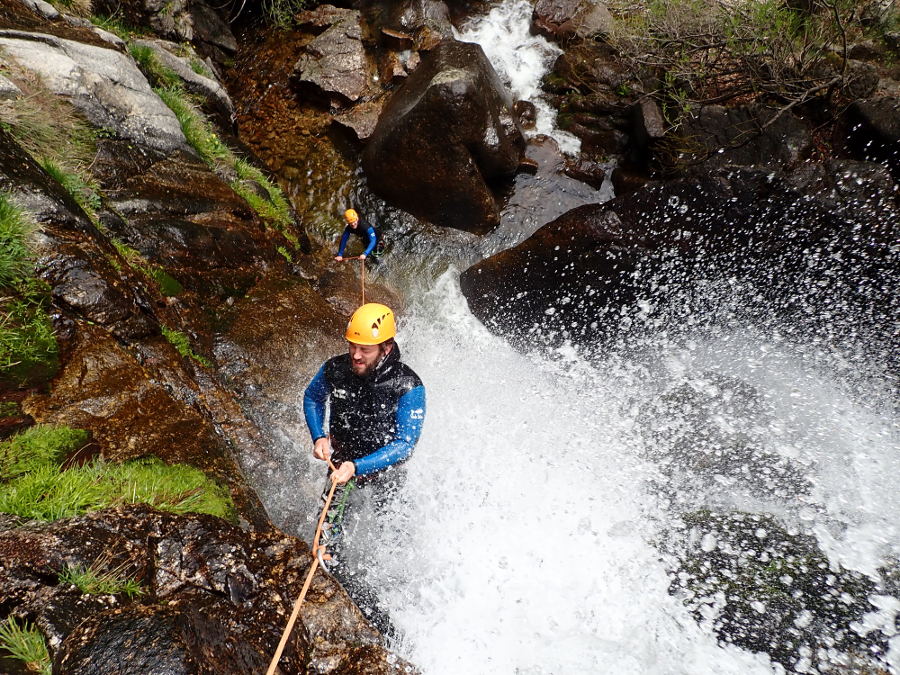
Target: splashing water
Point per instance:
(521, 60)
(530, 540)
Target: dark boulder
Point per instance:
(444, 137)
(875, 130)
(214, 598)
(742, 136)
(421, 24)
(749, 240)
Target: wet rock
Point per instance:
(706, 437)
(525, 113)
(587, 171)
(215, 599)
(875, 129)
(8, 89)
(103, 84)
(335, 61)
(443, 138)
(422, 23)
(563, 20)
(761, 587)
(362, 118)
(191, 21)
(743, 136)
(583, 275)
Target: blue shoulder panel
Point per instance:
(314, 399)
(410, 418)
(372, 237)
(344, 239)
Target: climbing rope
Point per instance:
(318, 559)
(362, 279)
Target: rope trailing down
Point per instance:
(317, 559)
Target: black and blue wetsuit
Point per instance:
(365, 232)
(375, 420)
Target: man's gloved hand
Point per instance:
(344, 472)
(322, 448)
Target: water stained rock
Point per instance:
(444, 137)
(768, 590)
(215, 598)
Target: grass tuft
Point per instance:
(98, 579)
(25, 643)
(82, 191)
(168, 285)
(181, 343)
(15, 258)
(48, 494)
(38, 445)
(160, 74)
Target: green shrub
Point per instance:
(36, 446)
(47, 493)
(181, 343)
(25, 643)
(98, 579)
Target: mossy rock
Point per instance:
(769, 590)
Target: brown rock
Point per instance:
(565, 19)
(444, 136)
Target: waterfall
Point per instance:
(521, 60)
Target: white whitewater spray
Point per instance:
(521, 60)
(523, 543)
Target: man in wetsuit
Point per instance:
(367, 233)
(377, 403)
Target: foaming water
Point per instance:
(523, 541)
(532, 537)
(521, 60)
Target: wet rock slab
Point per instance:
(215, 598)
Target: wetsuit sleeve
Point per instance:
(410, 417)
(344, 239)
(314, 399)
(371, 245)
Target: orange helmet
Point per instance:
(371, 324)
(351, 216)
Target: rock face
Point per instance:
(763, 235)
(336, 61)
(443, 138)
(565, 19)
(104, 84)
(214, 598)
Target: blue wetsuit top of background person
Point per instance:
(375, 420)
(362, 230)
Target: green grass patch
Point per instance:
(25, 643)
(9, 409)
(160, 74)
(15, 257)
(99, 579)
(114, 25)
(183, 345)
(36, 446)
(47, 493)
(197, 130)
(199, 67)
(28, 349)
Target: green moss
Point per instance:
(284, 253)
(168, 285)
(98, 579)
(36, 446)
(181, 343)
(25, 643)
(47, 493)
